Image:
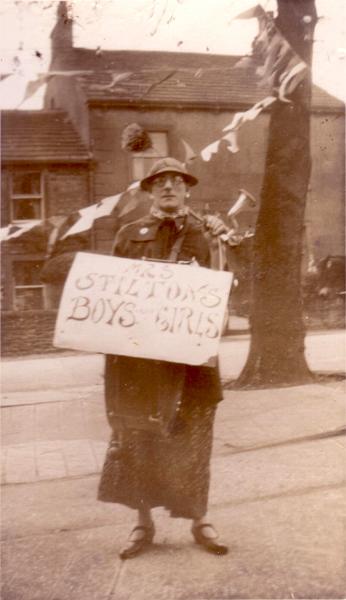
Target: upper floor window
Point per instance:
(26, 196)
(28, 288)
(143, 161)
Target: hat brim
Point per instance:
(147, 181)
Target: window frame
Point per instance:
(14, 197)
(146, 154)
(26, 259)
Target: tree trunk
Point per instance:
(277, 342)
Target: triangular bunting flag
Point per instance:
(252, 13)
(16, 230)
(190, 155)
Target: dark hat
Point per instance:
(167, 165)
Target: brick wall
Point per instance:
(67, 190)
(27, 332)
(220, 178)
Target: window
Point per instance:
(142, 161)
(26, 196)
(28, 289)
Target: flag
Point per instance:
(209, 150)
(249, 115)
(133, 186)
(277, 65)
(232, 128)
(33, 86)
(4, 231)
(232, 140)
(190, 155)
(232, 146)
(13, 231)
(43, 78)
(56, 222)
(115, 78)
(291, 79)
(125, 201)
(59, 227)
(252, 13)
(88, 215)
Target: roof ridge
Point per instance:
(45, 111)
(147, 53)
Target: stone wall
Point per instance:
(27, 332)
(221, 177)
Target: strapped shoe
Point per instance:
(137, 543)
(210, 543)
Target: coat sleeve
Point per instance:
(121, 243)
(196, 245)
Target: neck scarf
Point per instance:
(169, 228)
(160, 214)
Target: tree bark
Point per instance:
(277, 328)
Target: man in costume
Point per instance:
(162, 461)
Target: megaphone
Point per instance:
(245, 200)
(232, 236)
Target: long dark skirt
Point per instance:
(143, 469)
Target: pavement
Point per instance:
(277, 489)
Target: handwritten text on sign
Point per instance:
(142, 308)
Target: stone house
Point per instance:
(191, 97)
(179, 99)
(45, 172)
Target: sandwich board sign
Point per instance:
(143, 308)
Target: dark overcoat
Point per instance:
(142, 393)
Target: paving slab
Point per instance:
(325, 351)
(273, 554)
(277, 471)
(277, 492)
(78, 565)
(290, 546)
(54, 371)
(48, 395)
(69, 438)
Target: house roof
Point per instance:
(40, 136)
(99, 60)
(212, 87)
(172, 78)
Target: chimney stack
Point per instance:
(61, 36)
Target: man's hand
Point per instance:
(215, 225)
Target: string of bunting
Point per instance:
(86, 216)
(276, 64)
(233, 127)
